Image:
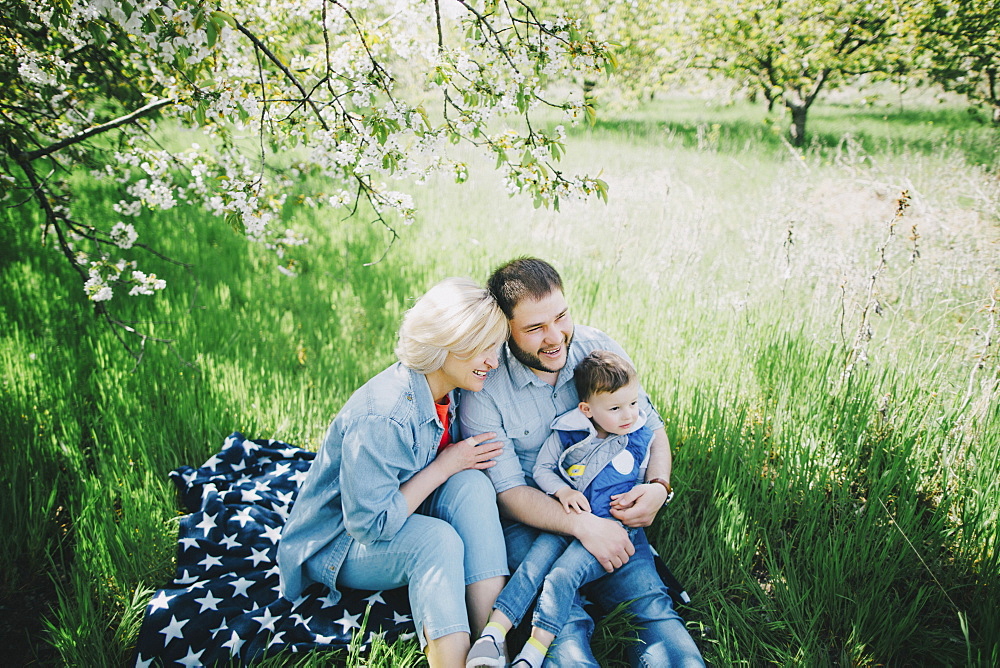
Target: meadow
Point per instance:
(818, 328)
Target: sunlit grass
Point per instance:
(836, 472)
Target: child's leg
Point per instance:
(523, 586)
(514, 601)
(574, 568)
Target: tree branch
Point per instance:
(284, 70)
(96, 130)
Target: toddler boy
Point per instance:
(595, 453)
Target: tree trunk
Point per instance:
(798, 130)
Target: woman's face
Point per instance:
(470, 373)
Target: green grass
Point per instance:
(837, 487)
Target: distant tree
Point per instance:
(960, 40)
(331, 86)
(639, 34)
(792, 50)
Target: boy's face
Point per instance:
(613, 412)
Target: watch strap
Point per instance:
(666, 486)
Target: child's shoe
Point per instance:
(486, 653)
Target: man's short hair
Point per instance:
(524, 277)
(602, 371)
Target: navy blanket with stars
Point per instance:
(224, 605)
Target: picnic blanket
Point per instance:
(223, 605)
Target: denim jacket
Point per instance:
(386, 432)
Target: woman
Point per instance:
(391, 501)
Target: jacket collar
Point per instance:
(420, 393)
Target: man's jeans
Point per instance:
(564, 565)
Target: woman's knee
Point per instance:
(441, 541)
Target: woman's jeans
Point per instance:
(454, 539)
(560, 566)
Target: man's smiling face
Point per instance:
(541, 331)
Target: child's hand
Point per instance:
(572, 500)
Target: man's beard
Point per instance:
(532, 361)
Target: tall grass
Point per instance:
(827, 374)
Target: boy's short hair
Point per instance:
(520, 278)
(454, 316)
(602, 371)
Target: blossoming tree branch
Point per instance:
(332, 85)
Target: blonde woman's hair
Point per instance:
(455, 316)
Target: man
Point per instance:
(531, 386)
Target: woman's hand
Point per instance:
(572, 500)
(474, 452)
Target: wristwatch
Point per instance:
(666, 486)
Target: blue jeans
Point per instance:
(454, 539)
(662, 639)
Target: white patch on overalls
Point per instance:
(624, 462)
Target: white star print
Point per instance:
(192, 659)
(210, 561)
(299, 619)
(258, 556)
(349, 621)
(241, 585)
(267, 620)
(234, 643)
(209, 602)
(173, 630)
(272, 534)
(160, 602)
(375, 598)
(207, 523)
(243, 516)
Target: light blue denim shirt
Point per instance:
(520, 407)
(386, 432)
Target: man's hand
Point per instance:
(605, 539)
(572, 500)
(638, 506)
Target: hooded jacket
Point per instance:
(574, 455)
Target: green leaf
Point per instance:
(235, 221)
(212, 33)
(222, 16)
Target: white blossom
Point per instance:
(124, 235)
